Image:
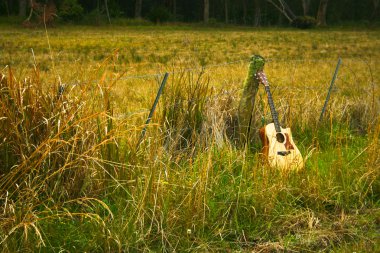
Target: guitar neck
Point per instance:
(273, 109)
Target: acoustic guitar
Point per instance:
(278, 144)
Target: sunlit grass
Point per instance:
(73, 180)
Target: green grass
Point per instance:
(73, 180)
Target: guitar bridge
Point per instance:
(283, 153)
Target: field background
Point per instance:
(73, 179)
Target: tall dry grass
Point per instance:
(74, 181)
(52, 154)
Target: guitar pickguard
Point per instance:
(283, 153)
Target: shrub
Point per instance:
(131, 22)
(71, 10)
(159, 14)
(304, 22)
(95, 17)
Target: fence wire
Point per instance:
(223, 92)
(235, 62)
(347, 62)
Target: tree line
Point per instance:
(241, 12)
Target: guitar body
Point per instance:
(279, 148)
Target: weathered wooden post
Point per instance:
(247, 101)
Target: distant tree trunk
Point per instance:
(257, 13)
(175, 10)
(321, 15)
(138, 8)
(375, 9)
(7, 8)
(98, 11)
(31, 5)
(226, 11)
(306, 7)
(22, 8)
(206, 11)
(108, 13)
(245, 11)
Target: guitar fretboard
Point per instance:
(273, 109)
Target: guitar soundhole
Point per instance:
(280, 137)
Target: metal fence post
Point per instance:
(152, 109)
(330, 89)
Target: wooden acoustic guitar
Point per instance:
(278, 144)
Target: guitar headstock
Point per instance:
(260, 75)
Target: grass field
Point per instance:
(72, 179)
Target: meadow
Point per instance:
(74, 100)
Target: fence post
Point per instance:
(330, 89)
(152, 109)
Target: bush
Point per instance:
(159, 14)
(71, 10)
(212, 21)
(304, 22)
(131, 22)
(95, 17)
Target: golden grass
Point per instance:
(73, 180)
